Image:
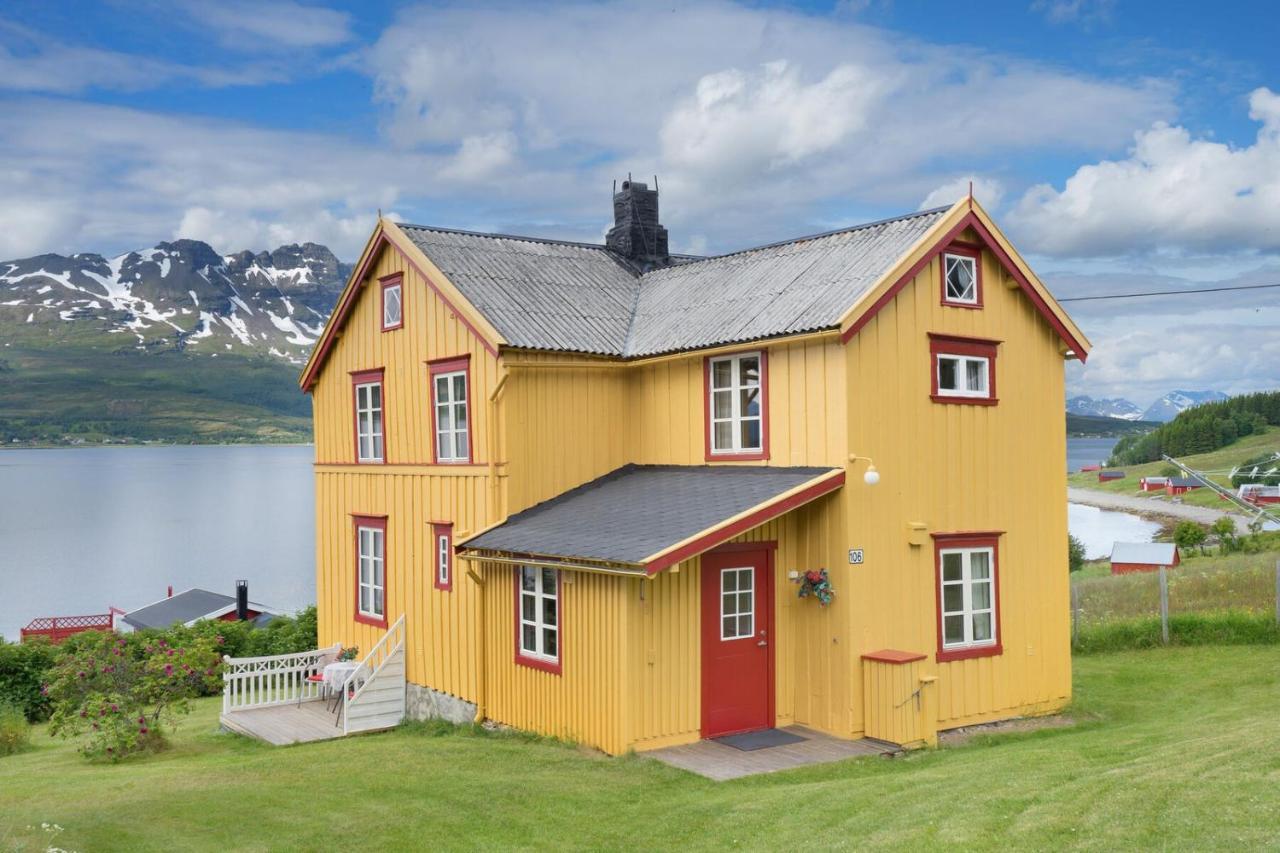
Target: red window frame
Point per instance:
(438, 529)
(970, 539)
(395, 279)
(452, 364)
(366, 377)
(557, 667)
(968, 250)
(940, 344)
(377, 522)
(729, 455)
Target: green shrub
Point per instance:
(24, 668)
(1230, 628)
(1075, 554)
(118, 693)
(15, 731)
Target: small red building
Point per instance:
(1091, 468)
(1104, 476)
(1153, 484)
(1143, 557)
(1257, 493)
(1180, 485)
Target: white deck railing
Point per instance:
(273, 679)
(364, 688)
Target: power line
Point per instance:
(1168, 292)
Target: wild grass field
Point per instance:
(1171, 750)
(1218, 460)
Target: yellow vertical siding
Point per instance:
(961, 468)
(408, 490)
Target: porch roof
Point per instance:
(641, 519)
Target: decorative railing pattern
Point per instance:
(60, 627)
(274, 679)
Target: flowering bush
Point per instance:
(119, 692)
(816, 583)
(352, 653)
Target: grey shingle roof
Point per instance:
(180, 608)
(637, 511)
(1150, 553)
(543, 294)
(186, 607)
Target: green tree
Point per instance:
(1188, 535)
(1075, 554)
(1225, 529)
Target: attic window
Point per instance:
(963, 369)
(961, 281)
(392, 302)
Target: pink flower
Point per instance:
(168, 669)
(142, 730)
(81, 673)
(141, 720)
(170, 652)
(84, 713)
(115, 708)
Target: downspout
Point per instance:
(495, 444)
(480, 647)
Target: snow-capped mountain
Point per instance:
(180, 295)
(1167, 407)
(1116, 407)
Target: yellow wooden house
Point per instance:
(595, 479)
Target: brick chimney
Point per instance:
(636, 232)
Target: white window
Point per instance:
(372, 581)
(539, 614)
(963, 375)
(452, 441)
(443, 552)
(961, 278)
(369, 421)
(391, 306)
(737, 603)
(737, 422)
(968, 597)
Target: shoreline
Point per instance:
(1141, 507)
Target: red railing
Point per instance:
(58, 628)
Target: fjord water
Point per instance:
(86, 528)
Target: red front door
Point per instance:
(737, 641)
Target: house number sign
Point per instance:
(855, 556)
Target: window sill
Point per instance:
(365, 619)
(371, 462)
(541, 665)
(947, 303)
(968, 401)
(749, 456)
(973, 652)
(399, 325)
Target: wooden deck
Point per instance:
(281, 725)
(719, 762)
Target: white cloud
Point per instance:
(1074, 11)
(275, 24)
(35, 62)
(751, 116)
(988, 191)
(1172, 192)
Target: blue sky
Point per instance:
(1121, 145)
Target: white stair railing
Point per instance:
(261, 682)
(383, 652)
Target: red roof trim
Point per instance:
(766, 512)
(970, 220)
(345, 307)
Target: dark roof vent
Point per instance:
(636, 233)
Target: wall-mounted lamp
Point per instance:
(871, 476)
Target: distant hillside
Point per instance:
(1201, 429)
(1090, 426)
(174, 343)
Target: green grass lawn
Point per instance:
(1175, 750)
(1218, 460)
